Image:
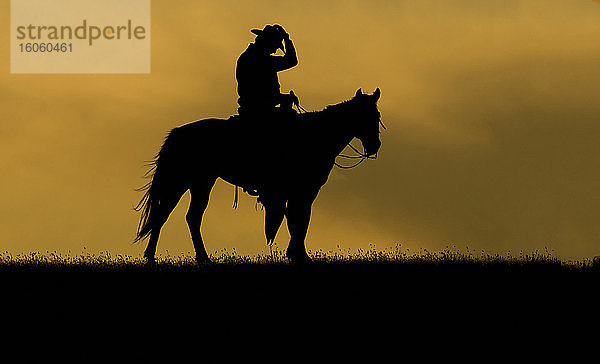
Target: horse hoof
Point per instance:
(202, 260)
(301, 258)
(149, 257)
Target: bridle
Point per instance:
(361, 156)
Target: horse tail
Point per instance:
(161, 182)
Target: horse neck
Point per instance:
(337, 127)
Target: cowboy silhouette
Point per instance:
(256, 74)
(261, 102)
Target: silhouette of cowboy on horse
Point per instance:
(256, 74)
(268, 149)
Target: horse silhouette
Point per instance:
(286, 161)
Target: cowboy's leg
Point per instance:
(274, 213)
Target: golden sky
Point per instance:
(492, 108)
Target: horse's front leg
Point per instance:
(298, 218)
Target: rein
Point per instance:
(362, 156)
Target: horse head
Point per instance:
(367, 120)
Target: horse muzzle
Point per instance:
(372, 148)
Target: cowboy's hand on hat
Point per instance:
(284, 34)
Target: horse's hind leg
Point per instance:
(158, 219)
(200, 194)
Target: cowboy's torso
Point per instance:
(258, 84)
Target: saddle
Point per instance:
(269, 130)
(269, 125)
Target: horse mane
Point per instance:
(341, 107)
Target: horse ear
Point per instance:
(359, 92)
(377, 94)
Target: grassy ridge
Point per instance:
(388, 283)
(446, 260)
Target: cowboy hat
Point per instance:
(270, 34)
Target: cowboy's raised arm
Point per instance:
(289, 59)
